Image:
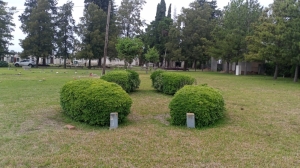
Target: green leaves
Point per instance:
(205, 102)
(129, 17)
(91, 30)
(152, 55)
(92, 101)
(39, 27)
(6, 28)
(169, 82)
(128, 49)
(229, 36)
(3, 64)
(65, 33)
(129, 80)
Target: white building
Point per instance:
(60, 61)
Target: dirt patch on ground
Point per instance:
(163, 118)
(46, 119)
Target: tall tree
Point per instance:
(129, 48)
(289, 10)
(157, 32)
(173, 44)
(6, 27)
(91, 30)
(29, 6)
(102, 4)
(170, 11)
(40, 32)
(65, 33)
(129, 17)
(267, 42)
(161, 11)
(198, 22)
(233, 28)
(152, 55)
(114, 30)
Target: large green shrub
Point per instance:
(3, 64)
(170, 82)
(154, 75)
(92, 101)
(119, 77)
(134, 80)
(129, 80)
(205, 102)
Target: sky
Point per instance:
(147, 14)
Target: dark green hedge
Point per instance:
(134, 80)
(205, 102)
(129, 80)
(154, 75)
(170, 82)
(3, 64)
(92, 101)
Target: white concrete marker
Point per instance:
(190, 120)
(113, 120)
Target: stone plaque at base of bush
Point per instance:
(205, 102)
(91, 101)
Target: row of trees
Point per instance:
(242, 31)
(276, 36)
(51, 29)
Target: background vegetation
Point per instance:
(243, 31)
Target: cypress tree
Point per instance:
(170, 11)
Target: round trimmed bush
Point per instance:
(92, 101)
(134, 79)
(170, 82)
(129, 80)
(154, 76)
(205, 102)
(3, 64)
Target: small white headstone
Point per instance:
(113, 120)
(190, 120)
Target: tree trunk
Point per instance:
(185, 65)
(202, 66)
(245, 72)
(44, 61)
(195, 65)
(89, 63)
(296, 73)
(227, 67)
(276, 72)
(37, 61)
(65, 57)
(65, 62)
(236, 64)
(99, 62)
(106, 39)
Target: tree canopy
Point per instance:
(6, 27)
(129, 48)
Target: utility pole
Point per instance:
(106, 39)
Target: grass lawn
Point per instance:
(261, 127)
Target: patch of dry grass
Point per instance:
(261, 127)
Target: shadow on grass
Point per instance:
(148, 92)
(218, 124)
(66, 120)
